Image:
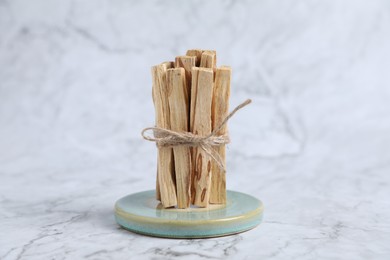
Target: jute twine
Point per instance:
(169, 138)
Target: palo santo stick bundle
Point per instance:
(191, 99)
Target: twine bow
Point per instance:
(169, 138)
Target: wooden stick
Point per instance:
(178, 96)
(168, 64)
(186, 62)
(215, 57)
(219, 110)
(207, 60)
(166, 180)
(202, 82)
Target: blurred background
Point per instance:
(75, 92)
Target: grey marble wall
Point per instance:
(75, 92)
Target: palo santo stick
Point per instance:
(215, 56)
(219, 110)
(202, 81)
(197, 53)
(168, 64)
(165, 176)
(186, 62)
(207, 60)
(179, 106)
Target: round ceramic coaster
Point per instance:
(142, 213)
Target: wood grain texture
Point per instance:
(215, 57)
(219, 110)
(178, 97)
(158, 192)
(166, 178)
(168, 64)
(208, 59)
(186, 62)
(202, 82)
(197, 53)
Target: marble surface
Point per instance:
(75, 92)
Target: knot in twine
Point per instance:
(168, 138)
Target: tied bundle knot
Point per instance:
(168, 138)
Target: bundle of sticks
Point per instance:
(191, 95)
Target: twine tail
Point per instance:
(210, 151)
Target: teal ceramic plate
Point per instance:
(142, 213)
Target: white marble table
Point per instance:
(314, 146)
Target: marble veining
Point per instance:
(314, 146)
